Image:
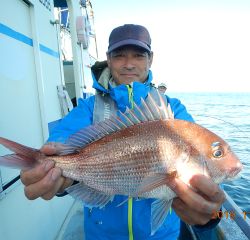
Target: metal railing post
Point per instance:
(57, 23)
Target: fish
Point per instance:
(134, 155)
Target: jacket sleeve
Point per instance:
(78, 118)
(180, 111)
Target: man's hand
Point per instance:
(192, 207)
(45, 180)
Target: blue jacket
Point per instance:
(128, 221)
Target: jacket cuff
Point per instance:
(208, 226)
(62, 194)
(65, 192)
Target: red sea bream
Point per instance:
(134, 155)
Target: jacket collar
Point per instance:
(121, 94)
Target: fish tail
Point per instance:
(25, 157)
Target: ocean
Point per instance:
(227, 115)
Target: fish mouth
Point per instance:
(235, 170)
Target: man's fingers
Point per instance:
(205, 185)
(48, 149)
(188, 215)
(36, 174)
(52, 192)
(192, 207)
(67, 183)
(208, 187)
(191, 198)
(43, 186)
(183, 216)
(51, 148)
(45, 180)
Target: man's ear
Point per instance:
(151, 59)
(108, 61)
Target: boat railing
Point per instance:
(234, 224)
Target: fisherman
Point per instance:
(162, 87)
(126, 78)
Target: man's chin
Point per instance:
(127, 80)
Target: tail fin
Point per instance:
(25, 157)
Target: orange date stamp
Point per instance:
(226, 214)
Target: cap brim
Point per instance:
(129, 42)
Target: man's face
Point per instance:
(129, 64)
(163, 89)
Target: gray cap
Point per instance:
(162, 85)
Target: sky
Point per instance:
(198, 45)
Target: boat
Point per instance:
(35, 94)
(40, 83)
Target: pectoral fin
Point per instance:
(89, 197)
(151, 182)
(159, 212)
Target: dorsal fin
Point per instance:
(145, 108)
(139, 113)
(132, 116)
(154, 108)
(142, 113)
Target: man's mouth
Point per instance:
(128, 74)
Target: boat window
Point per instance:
(6, 183)
(9, 178)
(7, 174)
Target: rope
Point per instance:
(65, 101)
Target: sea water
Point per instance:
(227, 115)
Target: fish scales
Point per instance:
(136, 160)
(122, 159)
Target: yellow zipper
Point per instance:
(130, 201)
(130, 230)
(130, 95)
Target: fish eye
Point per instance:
(217, 150)
(218, 153)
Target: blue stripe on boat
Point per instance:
(24, 39)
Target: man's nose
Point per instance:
(129, 62)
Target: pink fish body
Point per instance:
(135, 155)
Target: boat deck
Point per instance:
(72, 228)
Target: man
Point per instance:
(162, 87)
(126, 79)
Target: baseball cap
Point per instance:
(162, 85)
(129, 34)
